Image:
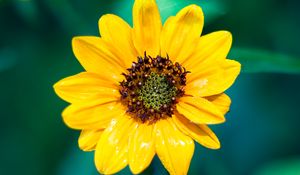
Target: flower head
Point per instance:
(148, 90)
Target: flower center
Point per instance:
(152, 87)
(156, 92)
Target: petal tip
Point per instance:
(75, 39)
(103, 19)
(83, 147)
(237, 65)
(195, 7)
(65, 113)
(216, 145)
(135, 170)
(99, 169)
(56, 86)
(83, 39)
(58, 89)
(221, 119)
(227, 34)
(192, 10)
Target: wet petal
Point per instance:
(141, 148)
(146, 27)
(199, 110)
(88, 139)
(111, 151)
(213, 80)
(174, 149)
(201, 133)
(118, 33)
(92, 114)
(95, 55)
(180, 33)
(85, 85)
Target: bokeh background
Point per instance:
(261, 135)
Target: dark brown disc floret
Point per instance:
(152, 87)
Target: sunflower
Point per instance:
(149, 89)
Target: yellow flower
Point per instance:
(151, 89)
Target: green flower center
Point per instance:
(156, 92)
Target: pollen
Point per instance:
(152, 87)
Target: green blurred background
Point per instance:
(261, 135)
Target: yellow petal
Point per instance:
(201, 133)
(118, 33)
(210, 49)
(221, 101)
(174, 149)
(85, 85)
(96, 56)
(213, 80)
(180, 33)
(88, 139)
(141, 148)
(111, 151)
(146, 27)
(92, 114)
(199, 110)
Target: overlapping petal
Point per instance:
(111, 151)
(180, 33)
(210, 49)
(89, 138)
(118, 34)
(174, 149)
(146, 27)
(200, 133)
(199, 110)
(95, 55)
(141, 148)
(213, 80)
(85, 85)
